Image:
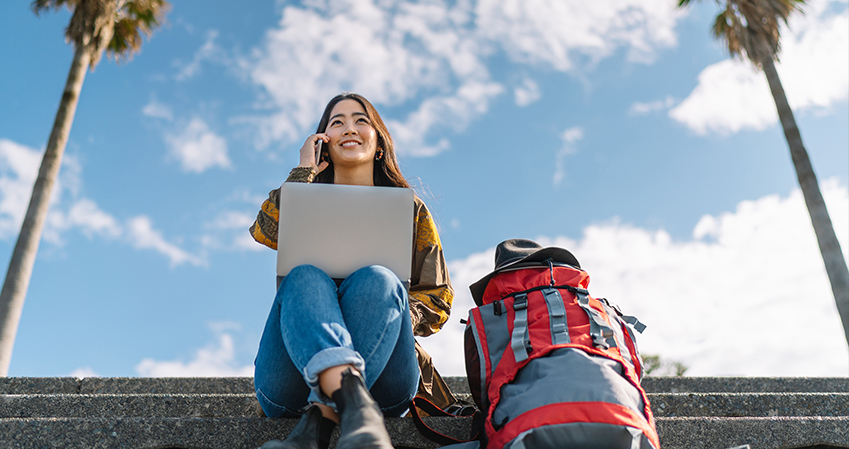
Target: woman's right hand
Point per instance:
(309, 152)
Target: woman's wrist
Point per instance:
(302, 174)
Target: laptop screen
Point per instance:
(341, 228)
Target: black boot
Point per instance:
(361, 422)
(311, 432)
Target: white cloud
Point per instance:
(556, 33)
(526, 93)
(430, 57)
(232, 220)
(389, 54)
(229, 230)
(569, 137)
(209, 51)
(142, 235)
(82, 372)
(737, 299)
(218, 359)
(86, 215)
(652, 106)
(731, 95)
(197, 148)
(18, 169)
(471, 100)
(156, 109)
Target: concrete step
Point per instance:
(236, 385)
(127, 385)
(746, 384)
(128, 405)
(207, 413)
(749, 404)
(760, 433)
(185, 433)
(250, 433)
(245, 405)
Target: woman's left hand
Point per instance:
(309, 152)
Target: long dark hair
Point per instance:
(386, 171)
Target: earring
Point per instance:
(379, 155)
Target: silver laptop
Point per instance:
(342, 228)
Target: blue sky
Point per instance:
(620, 130)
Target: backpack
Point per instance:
(548, 365)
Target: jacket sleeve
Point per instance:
(431, 293)
(264, 229)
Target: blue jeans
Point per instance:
(313, 326)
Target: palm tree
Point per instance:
(750, 28)
(96, 25)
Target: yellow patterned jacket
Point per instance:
(430, 292)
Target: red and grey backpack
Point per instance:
(549, 365)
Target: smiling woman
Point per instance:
(343, 350)
(350, 118)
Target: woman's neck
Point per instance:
(362, 175)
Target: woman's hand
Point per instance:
(309, 152)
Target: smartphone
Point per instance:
(318, 152)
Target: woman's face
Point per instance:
(353, 140)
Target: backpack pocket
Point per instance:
(485, 340)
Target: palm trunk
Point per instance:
(832, 256)
(23, 258)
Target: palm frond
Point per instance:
(752, 27)
(115, 26)
(137, 17)
(726, 28)
(125, 41)
(41, 5)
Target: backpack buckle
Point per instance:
(520, 302)
(599, 341)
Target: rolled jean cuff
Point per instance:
(328, 358)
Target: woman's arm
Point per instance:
(264, 229)
(431, 293)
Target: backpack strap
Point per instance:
(634, 322)
(520, 340)
(600, 331)
(432, 410)
(556, 316)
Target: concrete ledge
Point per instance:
(141, 433)
(170, 385)
(749, 404)
(127, 385)
(245, 405)
(459, 385)
(760, 433)
(746, 384)
(249, 433)
(39, 385)
(186, 433)
(211, 413)
(113, 405)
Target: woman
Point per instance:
(344, 349)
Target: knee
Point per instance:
(304, 275)
(305, 281)
(380, 283)
(379, 277)
(305, 272)
(377, 274)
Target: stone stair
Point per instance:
(211, 413)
